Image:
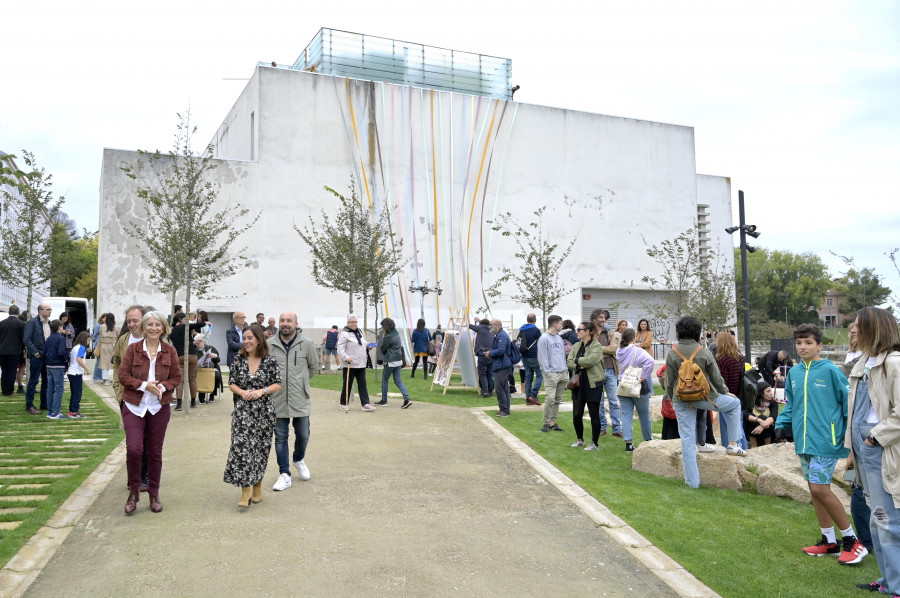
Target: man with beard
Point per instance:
(298, 362)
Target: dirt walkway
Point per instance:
(419, 502)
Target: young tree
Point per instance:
(536, 276)
(695, 284)
(27, 245)
(355, 252)
(862, 287)
(189, 246)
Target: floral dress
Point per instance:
(252, 423)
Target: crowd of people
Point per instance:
(826, 415)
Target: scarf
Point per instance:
(356, 332)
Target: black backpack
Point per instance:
(748, 389)
(522, 343)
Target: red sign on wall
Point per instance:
(586, 297)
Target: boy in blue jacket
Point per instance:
(56, 358)
(816, 409)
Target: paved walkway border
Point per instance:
(27, 564)
(662, 565)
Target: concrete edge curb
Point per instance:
(669, 571)
(23, 568)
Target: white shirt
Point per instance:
(149, 401)
(871, 416)
(75, 368)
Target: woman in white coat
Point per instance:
(351, 348)
(874, 437)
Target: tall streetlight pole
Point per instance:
(424, 290)
(746, 230)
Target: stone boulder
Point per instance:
(780, 474)
(663, 458)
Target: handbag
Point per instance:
(668, 409)
(574, 382)
(431, 349)
(206, 380)
(630, 386)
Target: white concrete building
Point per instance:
(445, 164)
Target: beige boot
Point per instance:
(245, 497)
(257, 492)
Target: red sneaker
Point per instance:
(823, 547)
(853, 551)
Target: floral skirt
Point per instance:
(252, 428)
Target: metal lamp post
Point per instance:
(746, 230)
(424, 290)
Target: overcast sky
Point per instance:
(797, 102)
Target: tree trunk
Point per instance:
(28, 299)
(172, 303)
(186, 403)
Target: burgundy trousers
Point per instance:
(136, 428)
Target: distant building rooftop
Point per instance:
(359, 56)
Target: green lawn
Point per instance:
(40, 468)
(738, 543)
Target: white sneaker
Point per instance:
(368, 407)
(705, 448)
(302, 469)
(735, 451)
(283, 482)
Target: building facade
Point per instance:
(445, 165)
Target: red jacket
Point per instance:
(135, 368)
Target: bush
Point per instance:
(766, 331)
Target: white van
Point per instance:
(80, 310)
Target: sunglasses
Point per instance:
(580, 329)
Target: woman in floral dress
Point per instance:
(254, 377)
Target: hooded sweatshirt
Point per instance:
(816, 409)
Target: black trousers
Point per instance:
(351, 374)
(9, 367)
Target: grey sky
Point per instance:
(796, 101)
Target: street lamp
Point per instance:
(746, 230)
(424, 290)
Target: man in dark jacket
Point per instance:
(501, 364)
(12, 343)
(530, 334)
(484, 341)
(36, 332)
(234, 336)
(770, 362)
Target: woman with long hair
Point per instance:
(586, 358)
(645, 335)
(731, 366)
(420, 339)
(109, 334)
(148, 374)
(254, 378)
(874, 437)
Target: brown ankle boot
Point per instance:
(131, 503)
(245, 497)
(257, 492)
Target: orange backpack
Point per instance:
(692, 383)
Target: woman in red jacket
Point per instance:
(149, 372)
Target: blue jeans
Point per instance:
(532, 367)
(301, 440)
(610, 383)
(75, 390)
(387, 372)
(55, 377)
(723, 430)
(98, 373)
(501, 385)
(885, 521)
(727, 405)
(642, 404)
(36, 372)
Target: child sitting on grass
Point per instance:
(816, 408)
